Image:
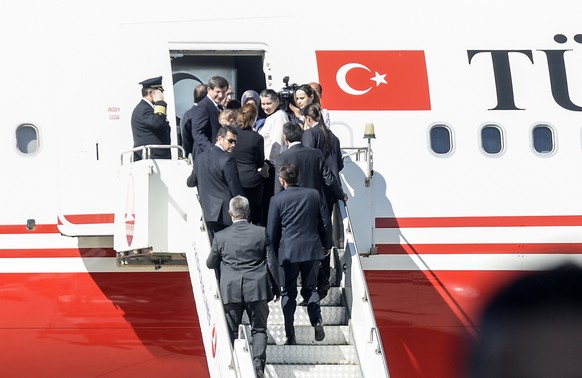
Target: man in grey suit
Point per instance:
(249, 276)
(298, 227)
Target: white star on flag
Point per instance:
(379, 79)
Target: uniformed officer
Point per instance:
(149, 123)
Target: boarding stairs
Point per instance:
(335, 356)
(352, 346)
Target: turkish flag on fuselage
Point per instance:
(373, 80)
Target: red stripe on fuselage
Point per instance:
(57, 252)
(22, 229)
(386, 222)
(53, 228)
(500, 248)
(509, 221)
(90, 218)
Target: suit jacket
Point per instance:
(250, 156)
(248, 266)
(298, 226)
(313, 137)
(150, 128)
(216, 176)
(313, 172)
(205, 126)
(186, 130)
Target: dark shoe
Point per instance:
(302, 303)
(291, 341)
(319, 332)
(259, 368)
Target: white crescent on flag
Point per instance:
(340, 77)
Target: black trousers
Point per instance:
(289, 273)
(213, 227)
(258, 312)
(255, 197)
(325, 268)
(268, 191)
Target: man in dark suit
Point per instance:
(216, 176)
(205, 123)
(149, 124)
(298, 228)
(249, 276)
(314, 173)
(199, 94)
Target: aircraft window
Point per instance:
(441, 141)
(491, 139)
(543, 139)
(27, 141)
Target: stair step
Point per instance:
(331, 315)
(305, 335)
(312, 354)
(333, 298)
(304, 371)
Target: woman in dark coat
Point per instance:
(317, 135)
(250, 158)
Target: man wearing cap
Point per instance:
(205, 123)
(149, 123)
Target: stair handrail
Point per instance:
(363, 322)
(146, 151)
(242, 354)
(223, 360)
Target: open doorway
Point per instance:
(243, 70)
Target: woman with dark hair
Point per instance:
(250, 158)
(317, 135)
(324, 113)
(272, 130)
(304, 95)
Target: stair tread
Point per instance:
(333, 298)
(312, 354)
(320, 370)
(334, 335)
(331, 315)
